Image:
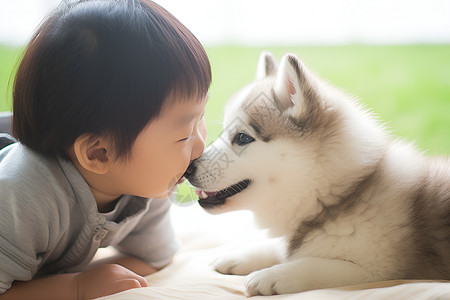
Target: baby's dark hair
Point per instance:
(103, 67)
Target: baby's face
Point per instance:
(163, 150)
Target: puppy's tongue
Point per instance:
(204, 195)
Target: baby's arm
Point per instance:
(153, 239)
(134, 264)
(100, 281)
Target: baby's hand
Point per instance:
(106, 280)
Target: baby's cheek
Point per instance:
(184, 159)
(203, 130)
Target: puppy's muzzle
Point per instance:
(190, 170)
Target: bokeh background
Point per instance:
(394, 55)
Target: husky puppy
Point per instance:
(352, 204)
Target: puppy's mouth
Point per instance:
(181, 180)
(211, 199)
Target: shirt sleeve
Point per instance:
(24, 236)
(153, 239)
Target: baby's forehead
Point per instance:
(185, 110)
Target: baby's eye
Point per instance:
(242, 139)
(184, 139)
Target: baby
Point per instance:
(108, 111)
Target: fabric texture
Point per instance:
(206, 238)
(49, 220)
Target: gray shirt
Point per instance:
(49, 221)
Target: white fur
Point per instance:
(287, 88)
(295, 179)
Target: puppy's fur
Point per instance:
(352, 204)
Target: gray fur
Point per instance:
(430, 218)
(329, 213)
(337, 187)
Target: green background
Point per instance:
(408, 87)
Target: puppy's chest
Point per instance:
(356, 234)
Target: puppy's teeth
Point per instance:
(204, 195)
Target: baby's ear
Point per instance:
(93, 153)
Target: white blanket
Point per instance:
(206, 237)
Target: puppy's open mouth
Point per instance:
(211, 199)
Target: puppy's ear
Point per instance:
(267, 65)
(292, 81)
(93, 153)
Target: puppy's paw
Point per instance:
(250, 259)
(236, 265)
(271, 281)
(261, 283)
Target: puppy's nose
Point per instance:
(190, 170)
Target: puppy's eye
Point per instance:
(242, 139)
